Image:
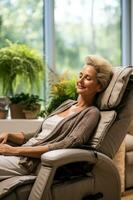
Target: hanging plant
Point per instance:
(21, 68)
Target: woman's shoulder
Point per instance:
(94, 109)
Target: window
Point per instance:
(22, 22)
(85, 27)
(73, 29)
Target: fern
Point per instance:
(20, 64)
(61, 90)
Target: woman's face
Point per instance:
(87, 82)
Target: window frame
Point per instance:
(127, 24)
(126, 33)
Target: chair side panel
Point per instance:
(118, 130)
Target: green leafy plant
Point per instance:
(32, 102)
(16, 105)
(25, 104)
(43, 113)
(61, 90)
(28, 101)
(19, 98)
(21, 67)
(32, 106)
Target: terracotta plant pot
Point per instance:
(32, 114)
(16, 111)
(3, 114)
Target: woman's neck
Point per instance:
(82, 102)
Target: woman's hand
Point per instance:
(34, 152)
(4, 137)
(16, 138)
(6, 149)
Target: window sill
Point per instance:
(16, 125)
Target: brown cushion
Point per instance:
(111, 97)
(106, 120)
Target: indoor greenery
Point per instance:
(25, 105)
(62, 89)
(21, 68)
(29, 101)
(18, 98)
(32, 102)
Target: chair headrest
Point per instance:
(111, 97)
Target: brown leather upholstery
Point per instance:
(103, 177)
(129, 162)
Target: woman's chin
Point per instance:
(80, 91)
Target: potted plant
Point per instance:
(32, 107)
(17, 105)
(24, 105)
(21, 69)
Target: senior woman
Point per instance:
(69, 126)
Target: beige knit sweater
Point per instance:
(72, 132)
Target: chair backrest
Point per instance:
(115, 104)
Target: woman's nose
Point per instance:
(81, 79)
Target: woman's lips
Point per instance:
(80, 87)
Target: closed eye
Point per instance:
(80, 75)
(88, 78)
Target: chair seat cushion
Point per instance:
(10, 184)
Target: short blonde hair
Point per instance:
(103, 69)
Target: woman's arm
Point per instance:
(34, 152)
(17, 138)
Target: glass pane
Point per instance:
(21, 21)
(85, 27)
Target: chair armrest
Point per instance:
(104, 172)
(61, 157)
